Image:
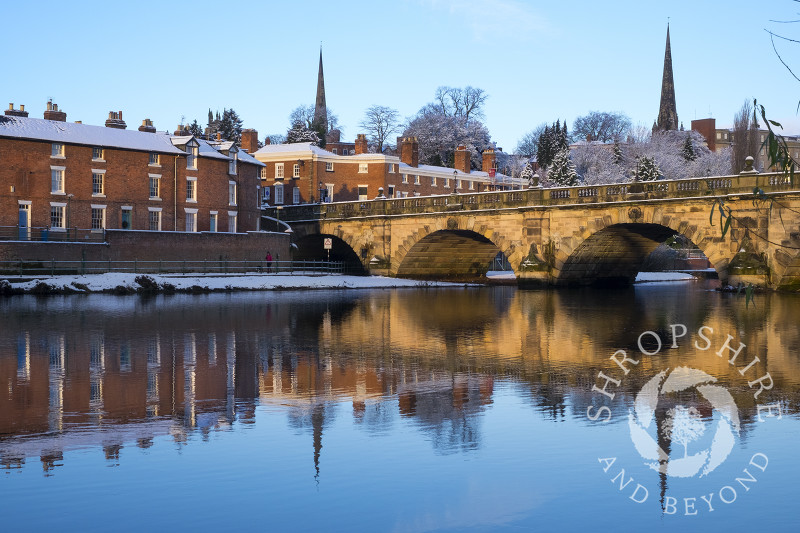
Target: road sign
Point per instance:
(328, 243)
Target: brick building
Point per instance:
(720, 138)
(56, 175)
(301, 172)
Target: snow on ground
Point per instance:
(645, 277)
(109, 281)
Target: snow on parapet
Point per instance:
(84, 134)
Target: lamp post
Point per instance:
(322, 192)
(455, 182)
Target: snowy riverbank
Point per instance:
(128, 283)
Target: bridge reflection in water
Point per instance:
(123, 372)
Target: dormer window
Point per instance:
(97, 154)
(234, 155)
(192, 150)
(57, 150)
(154, 158)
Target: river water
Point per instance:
(430, 409)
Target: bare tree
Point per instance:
(529, 143)
(601, 126)
(465, 103)
(745, 137)
(379, 123)
(304, 114)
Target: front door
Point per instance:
(24, 222)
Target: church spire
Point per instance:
(320, 109)
(667, 111)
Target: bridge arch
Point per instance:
(310, 247)
(454, 249)
(610, 250)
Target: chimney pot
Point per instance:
(11, 107)
(53, 113)
(22, 107)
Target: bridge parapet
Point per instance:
(539, 197)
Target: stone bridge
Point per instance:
(564, 236)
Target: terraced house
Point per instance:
(67, 179)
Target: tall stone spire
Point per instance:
(667, 111)
(320, 109)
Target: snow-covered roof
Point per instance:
(244, 157)
(430, 170)
(294, 148)
(40, 129)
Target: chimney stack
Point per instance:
(489, 159)
(147, 125)
(462, 159)
(115, 120)
(180, 131)
(16, 112)
(219, 136)
(249, 140)
(409, 151)
(361, 144)
(267, 141)
(53, 113)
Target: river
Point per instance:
(407, 410)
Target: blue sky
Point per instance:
(538, 61)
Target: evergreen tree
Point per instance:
(687, 151)
(617, 154)
(646, 170)
(562, 170)
(230, 126)
(195, 129)
(544, 149)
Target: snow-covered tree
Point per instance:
(230, 126)
(646, 170)
(618, 155)
(562, 170)
(275, 138)
(688, 149)
(195, 129)
(597, 164)
(379, 123)
(300, 133)
(439, 134)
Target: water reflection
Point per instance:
(110, 372)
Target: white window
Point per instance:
(191, 220)
(278, 171)
(232, 220)
(472, 185)
(98, 154)
(296, 195)
(57, 150)
(405, 178)
(155, 186)
(362, 193)
(57, 180)
(458, 183)
(154, 158)
(191, 156)
(279, 193)
(212, 222)
(263, 173)
(404, 194)
(433, 181)
(154, 216)
(335, 152)
(57, 221)
(363, 168)
(98, 217)
(416, 180)
(98, 182)
(191, 189)
(231, 193)
(296, 171)
(329, 166)
(447, 183)
(232, 163)
(391, 167)
(329, 188)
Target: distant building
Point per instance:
(300, 173)
(720, 138)
(667, 110)
(57, 175)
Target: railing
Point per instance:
(216, 267)
(615, 192)
(43, 234)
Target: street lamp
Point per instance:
(455, 181)
(322, 192)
